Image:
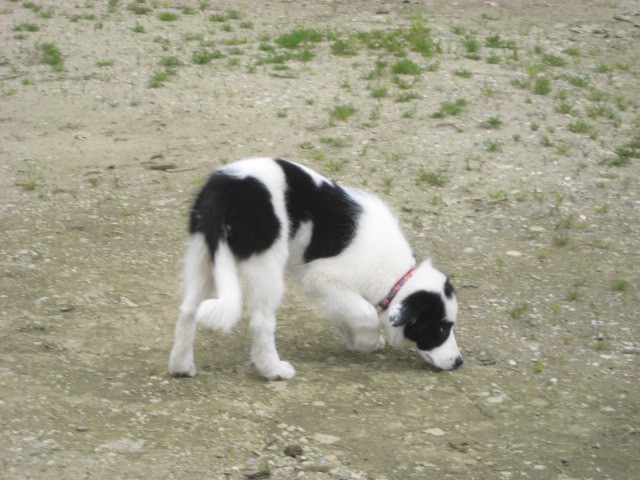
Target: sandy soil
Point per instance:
(517, 196)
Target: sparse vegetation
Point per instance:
(342, 112)
(448, 109)
(50, 55)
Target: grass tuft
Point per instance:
(51, 55)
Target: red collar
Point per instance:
(384, 304)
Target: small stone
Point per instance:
(495, 400)
(513, 253)
(122, 446)
(485, 358)
(128, 302)
(435, 431)
(631, 351)
(383, 10)
(293, 450)
(325, 439)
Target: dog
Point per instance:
(257, 218)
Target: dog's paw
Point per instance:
(368, 344)
(381, 343)
(282, 371)
(178, 369)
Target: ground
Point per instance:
(505, 134)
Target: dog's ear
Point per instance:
(419, 305)
(401, 315)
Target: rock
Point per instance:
(495, 400)
(435, 431)
(513, 253)
(293, 450)
(485, 358)
(257, 474)
(123, 445)
(631, 350)
(325, 439)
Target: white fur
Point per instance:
(346, 287)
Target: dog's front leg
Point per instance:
(356, 320)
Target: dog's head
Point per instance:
(424, 312)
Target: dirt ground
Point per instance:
(523, 187)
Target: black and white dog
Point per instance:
(257, 217)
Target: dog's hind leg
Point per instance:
(264, 277)
(197, 283)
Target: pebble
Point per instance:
(435, 431)
(495, 400)
(325, 439)
(123, 445)
(513, 253)
(293, 450)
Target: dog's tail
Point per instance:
(224, 312)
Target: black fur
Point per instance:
(448, 289)
(237, 210)
(329, 207)
(423, 315)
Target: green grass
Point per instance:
(517, 311)
(31, 6)
(406, 67)
(379, 91)
(434, 179)
(170, 61)
(342, 112)
(493, 145)
(623, 154)
(577, 80)
(406, 97)
(138, 28)
(334, 142)
(542, 86)
(159, 78)
(496, 41)
(138, 8)
(51, 55)
(344, 48)
(470, 43)
(204, 56)
(168, 16)
(225, 16)
(580, 126)
(554, 60)
(416, 38)
(492, 122)
(448, 109)
(32, 179)
(299, 37)
(621, 286)
(462, 72)
(26, 27)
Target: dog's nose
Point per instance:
(459, 361)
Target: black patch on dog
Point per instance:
(237, 210)
(329, 207)
(448, 289)
(423, 315)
